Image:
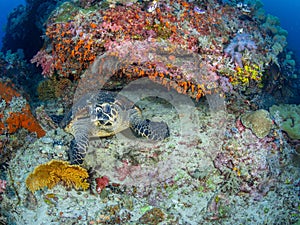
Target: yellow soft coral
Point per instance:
(247, 73)
(55, 171)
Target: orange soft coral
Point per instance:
(16, 120)
(7, 92)
(54, 172)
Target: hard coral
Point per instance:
(288, 116)
(258, 121)
(12, 120)
(56, 171)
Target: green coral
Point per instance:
(67, 11)
(290, 118)
(289, 61)
(272, 25)
(258, 121)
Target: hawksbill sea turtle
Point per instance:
(103, 114)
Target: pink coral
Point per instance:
(2, 186)
(239, 125)
(126, 170)
(46, 61)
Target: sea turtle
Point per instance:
(105, 113)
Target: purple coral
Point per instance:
(238, 44)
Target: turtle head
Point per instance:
(104, 115)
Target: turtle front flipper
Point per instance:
(156, 131)
(80, 143)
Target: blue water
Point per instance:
(6, 7)
(288, 11)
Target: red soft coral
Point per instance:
(101, 182)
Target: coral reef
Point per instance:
(101, 183)
(122, 61)
(16, 113)
(182, 185)
(258, 121)
(203, 67)
(76, 37)
(239, 44)
(57, 171)
(288, 116)
(152, 216)
(2, 186)
(52, 89)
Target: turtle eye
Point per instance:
(98, 109)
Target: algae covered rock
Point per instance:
(258, 121)
(290, 118)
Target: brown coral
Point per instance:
(56, 171)
(54, 88)
(258, 121)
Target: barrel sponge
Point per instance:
(258, 121)
(57, 171)
(290, 118)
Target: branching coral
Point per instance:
(11, 120)
(54, 172)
